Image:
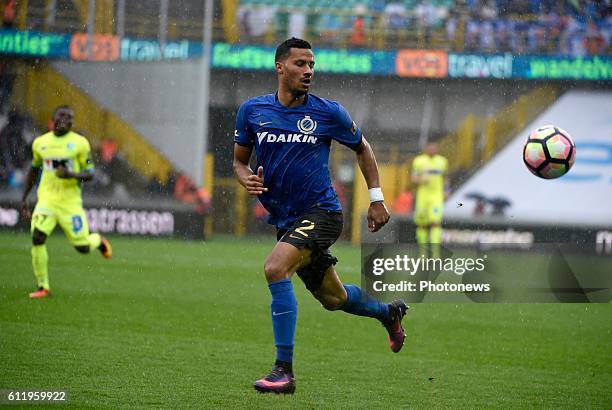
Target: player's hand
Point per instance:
(25, 210)
(255, 183)
(62, 172)
(378, 216)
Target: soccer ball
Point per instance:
(549, 152)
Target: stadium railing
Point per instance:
(73, 17)
(465, 150)
(327, 24)
(508, 122)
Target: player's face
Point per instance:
(296, 70)
(431, 149)
(62, 121)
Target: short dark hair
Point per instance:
(284, 49)
(62, 107)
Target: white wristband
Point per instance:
(376, 195)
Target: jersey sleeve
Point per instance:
(345, 130)
(242, 134)
(84, 157)
(36, 157)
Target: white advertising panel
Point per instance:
(581, 197)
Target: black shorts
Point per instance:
(316, 230)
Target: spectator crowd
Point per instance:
(574, 28)
(564, 27)
(551, 27)
(16, 136)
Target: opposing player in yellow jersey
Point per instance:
(64, 159)
(429, 173)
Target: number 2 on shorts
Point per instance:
(308, 226)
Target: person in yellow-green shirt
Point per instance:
(429, 174)
(62, 159)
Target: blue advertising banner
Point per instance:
(480, 65)
(150, 50)
(253, 57)
(327, 60)
(593, 68)
(34, 44)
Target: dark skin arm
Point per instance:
(62, 172)
(253, 183)
(417, 179)
(31, 179)
(378, 214)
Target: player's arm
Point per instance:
(243, 146)
(378, 214)
(63, 172)
(417, 174)
(346, 132)
(86, 166)
(31, 179)
(254, 183)
(417, 178)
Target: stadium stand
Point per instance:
(126, 163)
(16, 134)
(535, 27)
(568, 28)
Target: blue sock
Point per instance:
(284, 317)
(361, 304)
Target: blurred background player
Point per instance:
(291, 132)
(64, 159)
(429, 174)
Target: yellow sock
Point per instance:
(421, 235)
(435, 236)
(40, 259)
(94, 241)
(422, 240)
(435, 250)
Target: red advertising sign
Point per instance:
(103, 47)
(421, 63)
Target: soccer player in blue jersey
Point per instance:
(291, 132)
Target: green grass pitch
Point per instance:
(168, 323)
